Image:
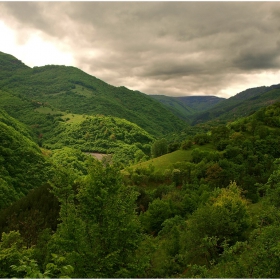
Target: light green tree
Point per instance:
(99, 233)
(223, 219)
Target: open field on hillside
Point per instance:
(166, 161)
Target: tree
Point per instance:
(30, 269)
(100, 232)
(159, 148)
(11, 251)
(223, 219)
(213, 174)
(159, 210)
(174, 146)
(202, 139)
(185, 145)
(219, 133)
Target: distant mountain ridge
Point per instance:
(200, 109)
(187, 106)
(200, 103)
(241, 104)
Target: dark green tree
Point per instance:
(159, 148)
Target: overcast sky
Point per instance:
(170, 48)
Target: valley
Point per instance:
(98, 181)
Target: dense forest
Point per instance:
(100, 181)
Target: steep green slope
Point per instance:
(70, 89)
(108, 135)
(22, 164)
(168, 161)
(9, 64)
(261, 123)
(241, 104)
(97, 134)
(11, 122)
(25, 110)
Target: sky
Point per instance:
(169, 48)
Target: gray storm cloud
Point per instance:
(172, 48)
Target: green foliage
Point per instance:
(17, 261)
(20, 107)
(9, 64)
(129, 154)
(174, 146)
(11, 122)
(30, 269)
(11, 252)
(31, 214)
(159, 148)
(258, 256)
(100, 233)
(7, 194)
(70, 158)
(185, 145)
(224, 218)
(105, 135)
(202, 139)
(166, 161)
(22, 164)
(158, 211)
(219, 133)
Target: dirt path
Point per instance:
(98, 156)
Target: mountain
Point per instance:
(186, 106)
(240, 105)
(10, 64)
(201, 109)
(64, 214)
(70, 90)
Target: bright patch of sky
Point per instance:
(35, 51)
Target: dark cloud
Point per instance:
(252, 60)
(172, 48)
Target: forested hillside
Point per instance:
(124, 140)
(165, 200)
(10, 64)
(22, 164)
(69, 89)
(240, 105)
